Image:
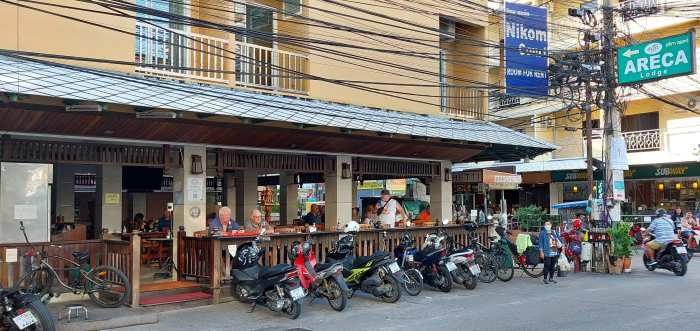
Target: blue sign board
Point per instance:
(525, 50)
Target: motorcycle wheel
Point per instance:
(445, 285)
(340, 298)
(469, 281)
(395, 293)
(236, 292)
(41, 312)
(413, 282)
(294, 310)
(682, 270)
(645, 259)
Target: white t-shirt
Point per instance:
(388, 215)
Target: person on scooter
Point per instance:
(664, 232)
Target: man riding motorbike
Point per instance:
(663, 230)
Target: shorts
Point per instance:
(655, 245)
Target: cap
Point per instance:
(385, 192)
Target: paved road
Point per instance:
(578, 302)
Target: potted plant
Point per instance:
(529, 216)
(622, 244)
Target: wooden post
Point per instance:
(135, 266)
(215, 271)
(180, 251)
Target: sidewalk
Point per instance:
(109, 318)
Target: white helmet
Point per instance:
(352, 226)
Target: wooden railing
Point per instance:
(463, 102)
(207, 261)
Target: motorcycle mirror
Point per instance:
(232, 250)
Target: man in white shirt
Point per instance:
(387, 208)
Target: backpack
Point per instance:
(532, 255)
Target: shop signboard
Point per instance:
(525, 49)
(664, 171)
(574, 176)
(657, 59)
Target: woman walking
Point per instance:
(550, 243)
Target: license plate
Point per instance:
(475, 270)
(297, 293)
(681, 250)
(394, 268)
(450, 266)
(25, 320)
(409, 258)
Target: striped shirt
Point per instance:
(663, 229)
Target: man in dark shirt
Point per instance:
(223, 223)
(164, 222)
(313, 217)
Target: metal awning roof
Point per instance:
(29, 76)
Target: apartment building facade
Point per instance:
(661, 137)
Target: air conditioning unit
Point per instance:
(157, 114)
(88, 107)
(447, 29)
(542, 122)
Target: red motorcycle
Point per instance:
(321, 280)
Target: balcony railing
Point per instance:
(498, 100)
(192, 56)
(641, 141)
(463, 102)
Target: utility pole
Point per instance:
(612, 115)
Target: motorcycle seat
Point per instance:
(323, 266)
(81, 257)
(276, 270)
(361, 261)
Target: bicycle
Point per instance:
(506, 250)
(485, 259)
(106, 286)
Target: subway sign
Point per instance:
(657, 59)
(637, 172)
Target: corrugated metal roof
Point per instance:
(36, 77)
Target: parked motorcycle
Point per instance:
(411, 279)
(23, 311)
(277, 287)
(467, 270)
(372, 274)
(673, 257)
(321, 280)
(692, 242)
(433, 263)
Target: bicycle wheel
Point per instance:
(505, 270)
(40, 282)
(488, 268)
(108, 287)
(533, 271)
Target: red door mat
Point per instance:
(174, 298)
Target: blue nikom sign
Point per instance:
(525, 50)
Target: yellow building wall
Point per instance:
(32, 31)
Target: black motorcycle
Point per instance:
(673, 257)
(23, 311)
(374, 274)
(433, 262)
(277, 287)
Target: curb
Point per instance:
(112, 323)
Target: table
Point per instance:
(162, 247)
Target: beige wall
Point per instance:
(45, 33)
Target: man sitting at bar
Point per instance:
(223, 223)
(256, 224)
(164, 222)
(313, 217)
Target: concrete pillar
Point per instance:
(109, 197)
(189, 192)
(338, 195)
(354, 195)
(441, 195)
(289, 198)
(556, 195)
(230, 189)
(64, 180)
(246, 194)
(139, 204)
